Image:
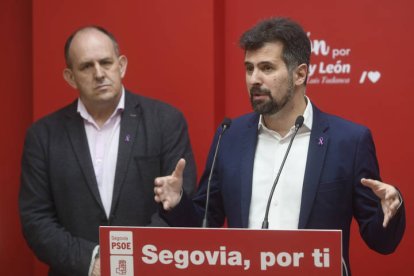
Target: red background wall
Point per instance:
(16, 115)
(185, 53)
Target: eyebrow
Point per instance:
(260, 63)
(84, 63)
(88, 62)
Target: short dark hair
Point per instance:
(98, 28)
(296, 44)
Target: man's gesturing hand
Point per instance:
(168, 189)
(389, 195)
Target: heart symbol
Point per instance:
(374, 76)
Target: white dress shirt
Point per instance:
(103, 146)
(271, 148)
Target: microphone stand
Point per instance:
(225, 125)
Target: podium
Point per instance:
(142, 251)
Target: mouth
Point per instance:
(102, 87)
(259, 97)
(256, 93)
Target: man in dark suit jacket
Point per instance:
(320, 185)
(94, 162)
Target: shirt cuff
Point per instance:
(181, 195)
(95, 254)
(401, 200)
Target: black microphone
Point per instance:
(224, 126)
(298, 124)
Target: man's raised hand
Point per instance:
(168, 189)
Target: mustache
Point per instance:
(255, 90)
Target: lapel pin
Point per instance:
(320, 141)
(127, 138)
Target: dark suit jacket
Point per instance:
(332, 193)
(59, 201)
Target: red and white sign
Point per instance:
(187, 251)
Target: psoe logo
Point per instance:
(372, 76)
(121, 243)
(122, 265)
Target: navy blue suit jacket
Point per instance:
(332, 193)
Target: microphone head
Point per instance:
(299, 121)
(226, 123)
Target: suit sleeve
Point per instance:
(48, 239)
(176, 145)
(367, 206)
(190, 211)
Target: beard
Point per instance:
(270, 106)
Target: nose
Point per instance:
(99, 72)
(253, 78)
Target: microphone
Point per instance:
(298, 124)
(224, 126)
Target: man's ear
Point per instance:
(300, 74)
(123, 62)
(68, 76)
